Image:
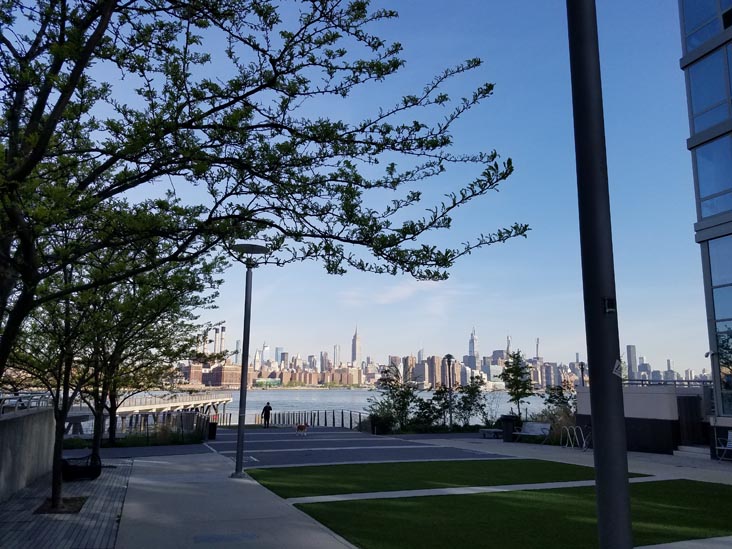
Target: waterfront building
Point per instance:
(706, 29)
(434, 369)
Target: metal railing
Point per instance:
(574, 436)
(24, 401)
(346, 419)
(676, 383)
(187, 426)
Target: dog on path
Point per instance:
(301, 429)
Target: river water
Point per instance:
(356, 400)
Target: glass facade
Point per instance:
(708, 57)
(702, 20)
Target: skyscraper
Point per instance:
(336, 356)
(632, 362)
(356, 350)
(473, 344)
(707, 47)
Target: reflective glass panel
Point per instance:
(711, 117)
(724, 358)
(697, 38)
(723, 302)
(714, 166)
(697, 12)
(720, 257)
(718, 204)
(708, 82)
(726, 4)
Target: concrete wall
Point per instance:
(647, 402)
(26, 448)
(652, 422)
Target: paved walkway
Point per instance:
(191, 501)
(184, 497)
(94, 527)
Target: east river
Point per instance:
(356, 400)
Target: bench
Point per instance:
(491, 433)
(534, 429)
(83, 468)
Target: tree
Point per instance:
(255, 138)
(140, 330)
(95, 343)
(52, 338)
(396, 400)
(471, 400)
(516, 376)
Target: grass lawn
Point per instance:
(662, 512)
(292, 482)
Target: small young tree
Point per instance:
(471, 400)
(517, 378)
(396, 400)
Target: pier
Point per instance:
(135, 412)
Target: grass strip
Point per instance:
(663, 512)
(291, 482)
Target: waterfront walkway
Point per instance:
(179, 497)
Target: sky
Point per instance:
(526, 288)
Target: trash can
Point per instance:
(212, 425)
(509, 423)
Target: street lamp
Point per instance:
(598, 278)
(248, 250)
(450, 377)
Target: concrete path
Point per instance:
(456, 491)
(191, 501)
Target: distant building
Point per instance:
(356, 350)
(632, 360)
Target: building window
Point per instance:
(714, 175)
(720, 260)
(702, 21)
(708, 83)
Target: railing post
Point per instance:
(342, 417)
(334, 418)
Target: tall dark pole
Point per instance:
(598, 275)
(244, 374)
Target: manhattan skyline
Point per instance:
(528, 288)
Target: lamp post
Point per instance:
(598, 277)
(248, 250)
(450, 377)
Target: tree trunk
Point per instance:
(100, 399)
(112, 408)
(58, 449)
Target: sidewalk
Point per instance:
(190, 501)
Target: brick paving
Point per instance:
(94, 527)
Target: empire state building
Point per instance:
(356, 350)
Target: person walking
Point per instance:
(266, 412)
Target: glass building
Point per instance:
(706, 35)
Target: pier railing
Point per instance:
(347, 419)
(23, 401)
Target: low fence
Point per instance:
(184, 426)
(346, 419)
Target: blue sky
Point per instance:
(527, 288)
